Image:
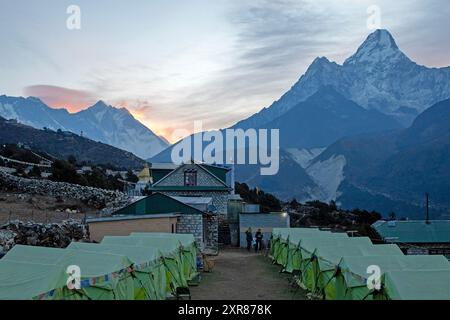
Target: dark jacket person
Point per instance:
(249, 238)
(259, 236)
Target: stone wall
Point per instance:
(212, 235)
(97, 198)
(192, 224)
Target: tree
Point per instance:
(63, 171)
(392, 216)
(131, 177)
(72, 160)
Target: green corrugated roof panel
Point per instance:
(413, 231)
(418, 285)
(189, 188)
(26, 281)
(157, 203)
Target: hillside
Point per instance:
(61, 144)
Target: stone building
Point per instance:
(196, 180)
(194, 216)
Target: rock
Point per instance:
(93, 197)
(46, 235)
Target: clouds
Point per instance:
(59, 97)
(171, 63)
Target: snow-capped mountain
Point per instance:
(378, 76)
(113, 126)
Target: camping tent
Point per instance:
(26, 281)
(288, 241)
(189, 249)
(149, 270)
(103, 276)
(170, 249)
(290, 253)
(354, 271)
(280, 237)
(328, 258)
(310, 249)
(417, 285)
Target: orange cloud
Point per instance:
(59, 97)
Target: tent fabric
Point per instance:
(149, 269)
(27, 281)
(334, 266)
(189, 247)
(103, 276)
(417, 285)
(170, 249)
(354, 270)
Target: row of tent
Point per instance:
(334, 266)
(141, 266)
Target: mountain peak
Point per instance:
(100, 105)
(379, 46)
(381, 38)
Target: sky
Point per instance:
(175, 62)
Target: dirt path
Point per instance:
(240, 275)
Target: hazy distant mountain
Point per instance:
(113, 126)
(63, 144)
(393, 171)
(378, 76)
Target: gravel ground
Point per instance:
(240, 275)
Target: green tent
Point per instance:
(189, 249)
(103, 276)
(328, 258)
(353, 271)
(310, 249)
(26, 281)
(280, 236)
(417, 285)
(149, 271)
(170, 249)
(294, 251)
(288, 240)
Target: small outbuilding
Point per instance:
(416, 236)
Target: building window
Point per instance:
(190, 178)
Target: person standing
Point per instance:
(258, 237)
(249, 238)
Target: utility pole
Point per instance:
(427, 221)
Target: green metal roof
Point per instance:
(157, 203)
(189, 188)
(414, 231)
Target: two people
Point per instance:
(258, 239)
